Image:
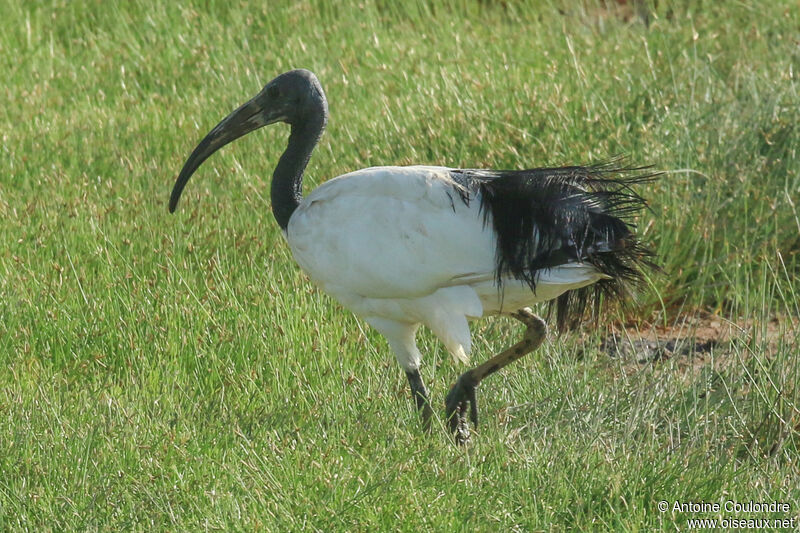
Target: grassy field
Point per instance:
(180, 373)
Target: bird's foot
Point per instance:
(462, 395)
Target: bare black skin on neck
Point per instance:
(287, 181)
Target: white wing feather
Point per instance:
(390, 232)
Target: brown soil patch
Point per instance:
(694, 336)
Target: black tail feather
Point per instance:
(547, 217)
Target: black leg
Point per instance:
(464, 392)
(420, 394)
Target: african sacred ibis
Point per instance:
(404, 246)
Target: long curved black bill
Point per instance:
(242, 121)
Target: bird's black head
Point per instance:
(295, 97)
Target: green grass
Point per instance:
(180, 373)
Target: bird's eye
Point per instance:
(273, 92)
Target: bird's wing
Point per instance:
(391, 232)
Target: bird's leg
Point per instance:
(464, 392)
(420, 394)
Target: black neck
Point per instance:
(287, 180)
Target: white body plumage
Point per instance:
(397, 247)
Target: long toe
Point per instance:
(462, 396)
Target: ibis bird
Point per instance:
(406, 246)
